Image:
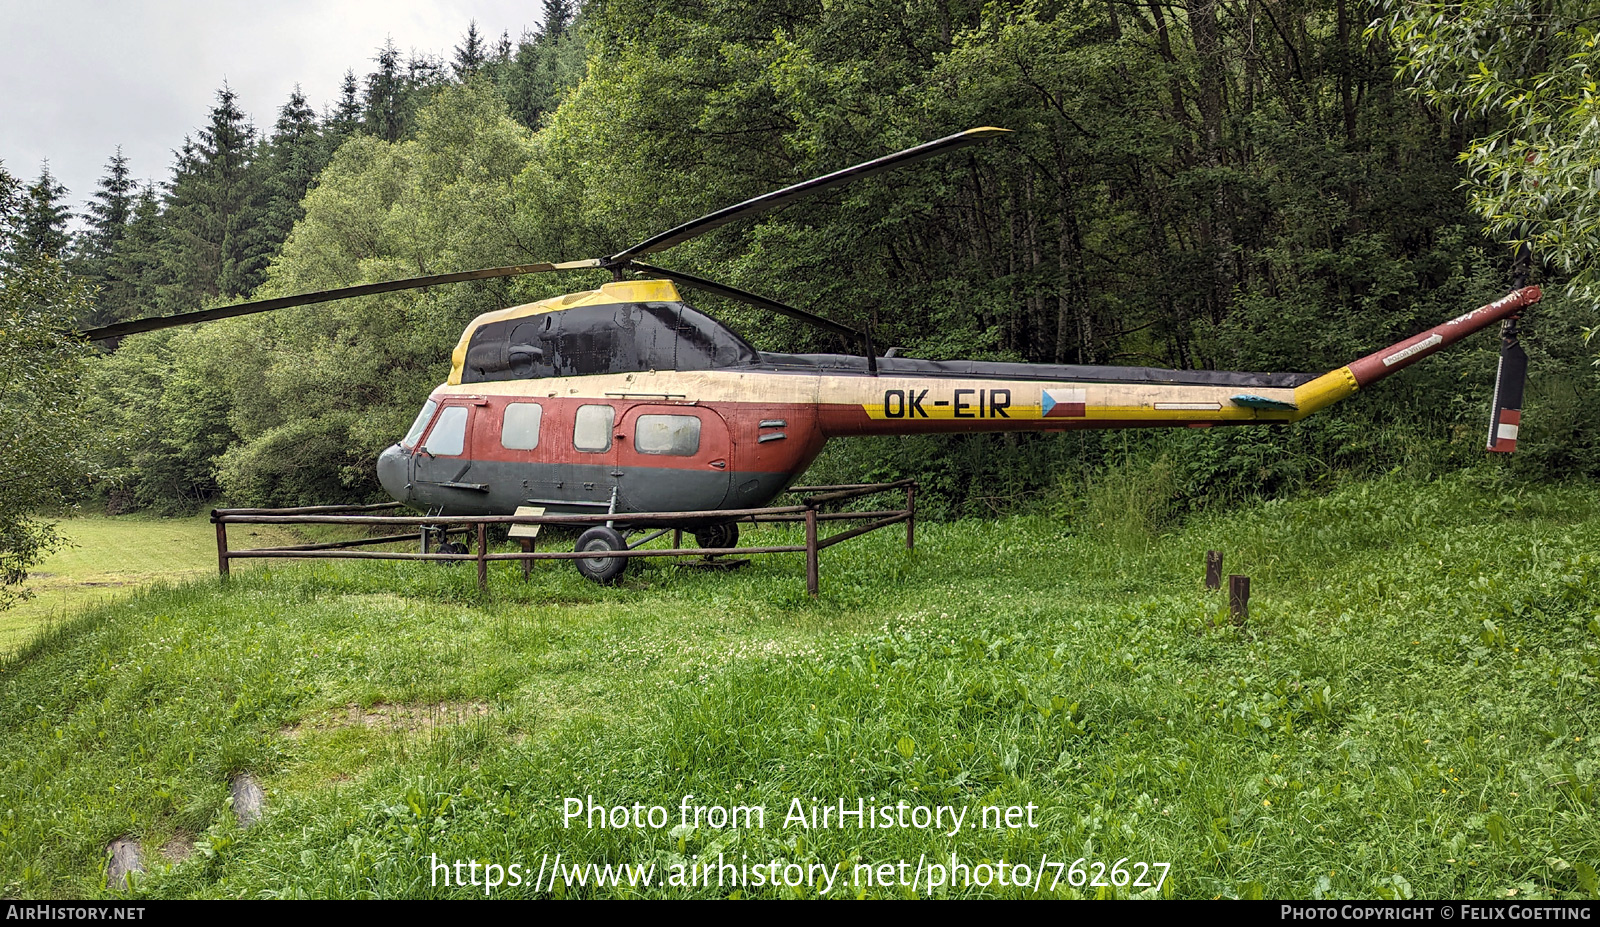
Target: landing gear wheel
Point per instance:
(713, 536)
(449, 547)
(603, 570)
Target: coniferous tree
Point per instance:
(109, 213)
(470, 55)
(345, 119)
(294, 156)
(382, 100)
(213, 244)
(548, 63)
(45, 216)
(111, 209)
(40, 384)
(136, 269)
(558, 15)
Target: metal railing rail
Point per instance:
(809, 512)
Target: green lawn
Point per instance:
(1410, 711)
(110, 558)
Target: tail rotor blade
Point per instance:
(1505, 418)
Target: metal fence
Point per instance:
(810, 510)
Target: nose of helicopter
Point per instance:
(392, 472)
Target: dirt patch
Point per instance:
(178, 849)
(392, 717)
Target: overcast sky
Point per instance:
(79, 78)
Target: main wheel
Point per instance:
(603, 570)
(714, 536)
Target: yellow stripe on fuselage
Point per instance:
(936, 398)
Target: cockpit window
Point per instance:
(449, 437)
(423, 417)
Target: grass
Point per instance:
(1409, 712)
(108, 558)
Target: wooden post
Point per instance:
(812, 581)
(1239, 598)
(483, 551)
(527, 565)
(1213, 569)
(677, 538)
(222, 544)
(911, 520)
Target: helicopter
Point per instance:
(625, 399)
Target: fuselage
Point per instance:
(740, 427)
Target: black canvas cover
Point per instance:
(632, 337)
(846, 364)
(613, 338)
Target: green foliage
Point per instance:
(212, 240)
(1243, 189)
(45, 446)
(315, 395)
(1523, 72)
(43, 230)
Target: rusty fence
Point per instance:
(810, 511)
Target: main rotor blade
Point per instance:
(760, 302)
(815, 185)
(122, 329)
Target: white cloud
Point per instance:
(79, 78)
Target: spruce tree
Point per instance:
(558, 15)
(213, 210)
(470, 55)
(346, 116)
(45, 216)
(137, 271)
(293, 157)
(110, 209)
(109, 213)
(382, 100)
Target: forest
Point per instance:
(1226, 185)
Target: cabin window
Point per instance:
(592, 430)
(667, 434)
(519, 430)
(423, 418)
(449, 437)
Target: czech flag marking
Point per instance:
(1063, 403)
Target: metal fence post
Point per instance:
(483, 551)
(911, 517)
(222, 543)
(812, 580)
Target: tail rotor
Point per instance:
(1505, 416)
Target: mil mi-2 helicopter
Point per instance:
(624, 399)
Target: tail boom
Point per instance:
(1337, 384)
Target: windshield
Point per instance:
(423, 417)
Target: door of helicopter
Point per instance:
(671, 458)
(442, 466)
